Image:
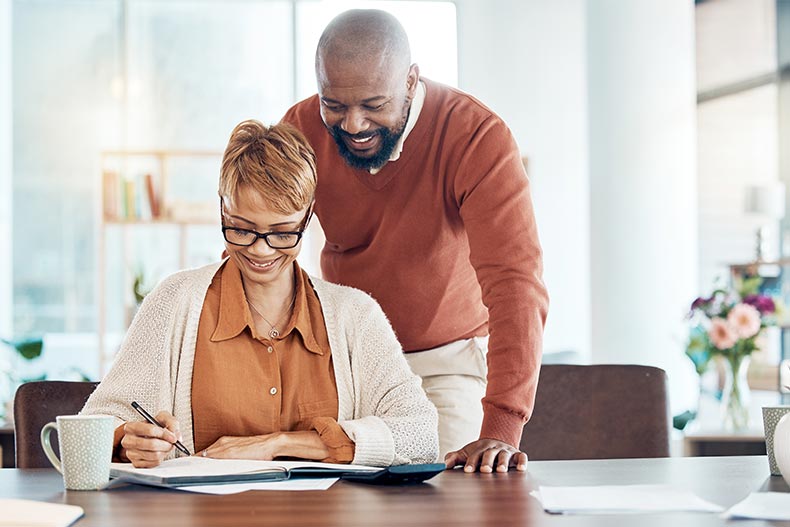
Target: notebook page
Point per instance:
(37, 513)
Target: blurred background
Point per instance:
(655, 133)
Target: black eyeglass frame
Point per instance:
(265, 235)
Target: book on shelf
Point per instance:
(153, 199)
(195, 470)
(110, 194)
(130, 198)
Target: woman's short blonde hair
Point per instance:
(277, 162)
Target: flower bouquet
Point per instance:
(728, 324)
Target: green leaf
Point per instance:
(42, 377)
(750, 286)
(681, 420)
(698, 349)
(29, 348)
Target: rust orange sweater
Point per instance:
(445, 239)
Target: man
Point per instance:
(425, 205)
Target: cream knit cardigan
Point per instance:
(381, 405)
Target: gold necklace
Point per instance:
(274, 333)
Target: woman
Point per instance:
(252, 358)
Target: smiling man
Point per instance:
(425, 205)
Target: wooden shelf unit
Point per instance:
(120, 162)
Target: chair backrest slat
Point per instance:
(36, 404)
(601, 411)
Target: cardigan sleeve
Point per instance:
(142, 368)
(396, 423)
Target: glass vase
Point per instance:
(736, 394)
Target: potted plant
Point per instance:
(28, 349)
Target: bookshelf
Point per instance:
(144, 192)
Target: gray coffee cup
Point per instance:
(85, 449)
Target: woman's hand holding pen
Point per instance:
(146, 445)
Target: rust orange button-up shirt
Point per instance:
(246, 384)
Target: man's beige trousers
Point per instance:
(454, 377)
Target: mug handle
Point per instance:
(45, 444)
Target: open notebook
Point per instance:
(186, 471)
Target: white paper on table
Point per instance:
(290, 484)
(609, 499)
(28, 512)
(761, 506)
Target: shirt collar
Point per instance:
(234, 313)
(235, 316)
(303, 317)
(414, 114)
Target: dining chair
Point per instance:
(38, 403)
(601, 411)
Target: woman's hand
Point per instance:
(147, 445)
(487, 455)
(303, 445)
(264, 447)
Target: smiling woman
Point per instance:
(272, 361)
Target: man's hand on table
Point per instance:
(487, 455)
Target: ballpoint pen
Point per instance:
(148, 417)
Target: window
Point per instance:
(96, 75)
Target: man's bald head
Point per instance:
(365, 38)
(366, 83)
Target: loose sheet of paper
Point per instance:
(291, 484)
(28, 512)
(609, 499)
(761, 506)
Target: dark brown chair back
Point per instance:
(38, 403)
(598, 412)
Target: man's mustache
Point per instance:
(361, 135)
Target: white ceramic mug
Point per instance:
(782, 446)
(85, 449)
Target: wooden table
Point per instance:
(452, 498)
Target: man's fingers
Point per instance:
(452, 459)
(472, 459)
(520, 461)
(488, 459)
(503, 460)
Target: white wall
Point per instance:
(601, 97)
(642, 108)
(6, 166)
(525, 59)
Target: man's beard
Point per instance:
(389, 139)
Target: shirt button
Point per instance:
(270, 349)
(273, 391)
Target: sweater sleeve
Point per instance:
(396, 424)
(492, 192)
(142, 368)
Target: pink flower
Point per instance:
(745, 320)
(721, 334)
